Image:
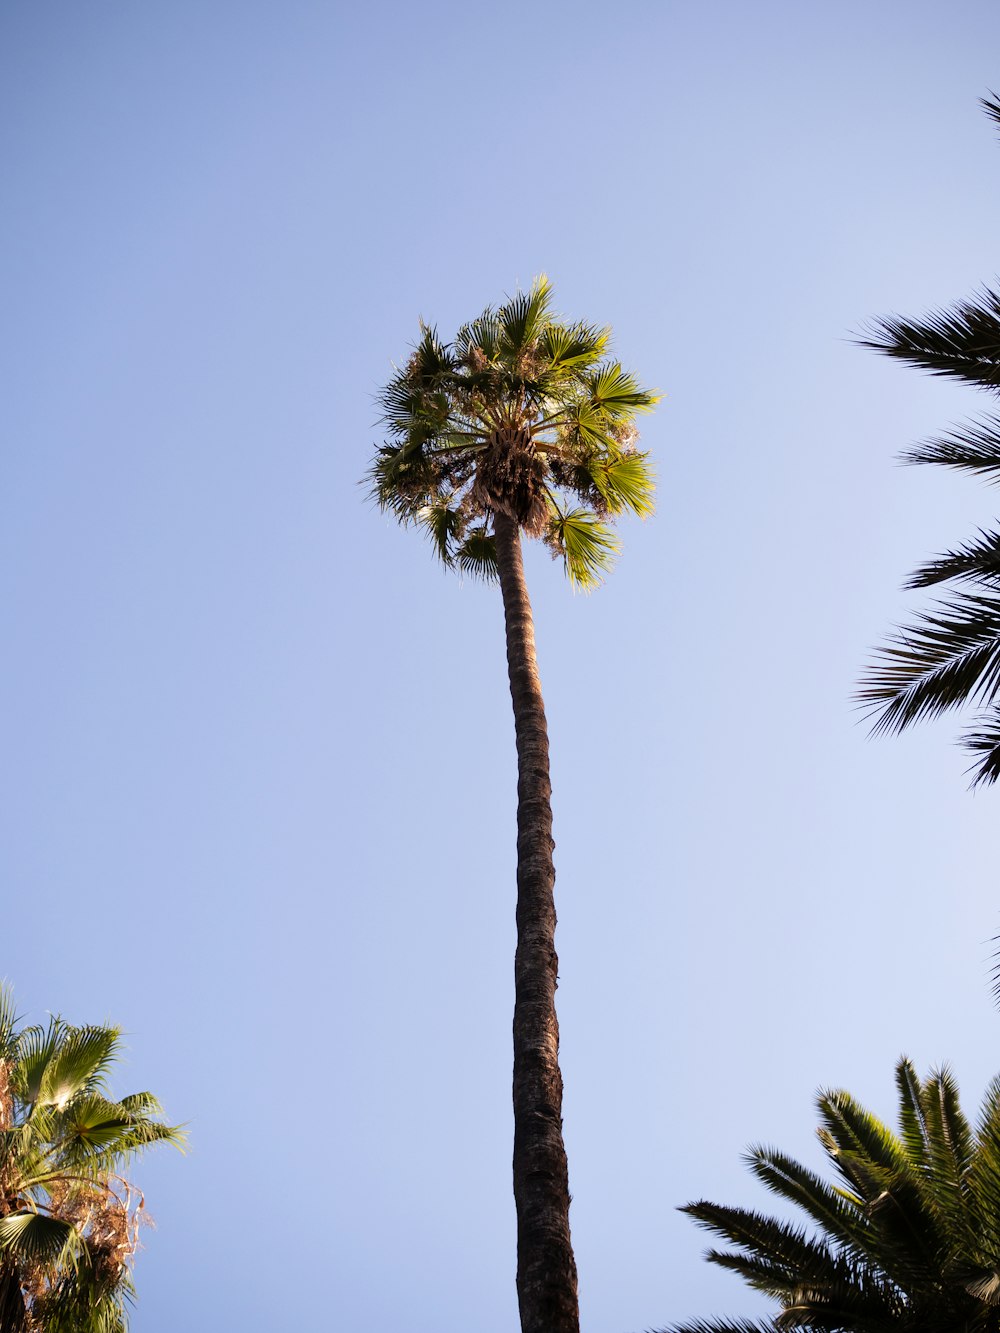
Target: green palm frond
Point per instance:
(574, 347)
(477, 555)
(973, 446)
(923, 1254)
(68, 1229)
(836, 1212)
(912, 1118)
(444, 523)
(37, 1238)
(616, 393)
(961, 341)
(951, 656)
(523, 317)
(588, 547)
(81, 1062)
(625, 482)
(977, 561)
(784, 1246)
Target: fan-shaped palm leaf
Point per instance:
(67, 1218)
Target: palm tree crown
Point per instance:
(908, 1234)
(68, 1218)
(950, 655)
(521, 425)
(521, 415)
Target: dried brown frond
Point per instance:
(6, 1097)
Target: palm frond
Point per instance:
(984, 742)
(912, 1119)
(923, 1252)
(951, 656)
(588, 547)
(615, 392)
(977, 560)
(38, 1238)
(573, 346)
(832, 1209)
(961, 341)
(973, 446)
(477, 555)
(991, 105)
(625, 482)
(444, 523)
(724, 1326)
(523, 317)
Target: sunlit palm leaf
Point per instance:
(523, 317)
(588, 546)
(573, 346)
(625, 482)
(37, 1238)
(617, 393)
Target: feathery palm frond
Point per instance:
(951, 656)
(991, 105)
(961, 342)
(984, 742)
(922, 1253)
(972, 447)
(976, 561)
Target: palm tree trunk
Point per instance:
(546, 1269)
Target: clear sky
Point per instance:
(257, 775)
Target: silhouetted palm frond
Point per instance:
(950, 657)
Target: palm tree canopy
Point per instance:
(68, 1218)
(906, 1236)
(523, 415)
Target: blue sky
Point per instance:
(257, 785)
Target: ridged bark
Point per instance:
(546, 1269)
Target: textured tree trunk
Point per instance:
(546, 1269)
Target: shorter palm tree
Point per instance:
(907, 1236)
(68, 1218)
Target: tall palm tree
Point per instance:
(906, 1238)
(950, 655)
(68, 1218)
(521, 425)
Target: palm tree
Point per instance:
(950, 656)
(906, 1238)
(68, 1218)
(521, 425)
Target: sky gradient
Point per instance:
(257, 786)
